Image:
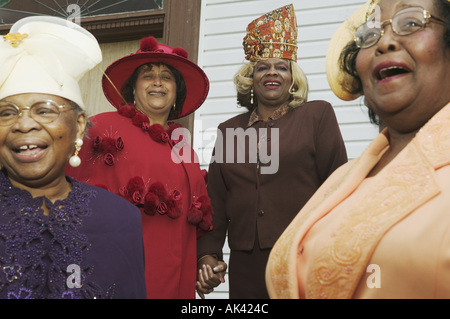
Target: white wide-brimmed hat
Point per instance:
(46, 55)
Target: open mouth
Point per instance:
(157, 94)
(24, 148)
(390, 72)
(29, 150)
(272, 84)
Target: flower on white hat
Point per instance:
(46, 55)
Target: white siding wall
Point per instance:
(221, 54)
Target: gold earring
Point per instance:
(292, 90)
(75, 160)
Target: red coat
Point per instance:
(125, 155)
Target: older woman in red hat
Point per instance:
(138, 153)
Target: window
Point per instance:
(13, 10)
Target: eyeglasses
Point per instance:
(404, 22)
(44, 112)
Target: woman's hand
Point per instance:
(211, 273)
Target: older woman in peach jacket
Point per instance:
(379, 227)
(398, 221)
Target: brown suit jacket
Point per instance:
(250, 202)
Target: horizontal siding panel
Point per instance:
(222, 73)
(211, 122)
(214, 58)
(222, 89)
(318, 82)
(323, 15)
(329, 96)
(358, 132)
(218, 42)
(354, 149)
(351, 115)
(312, 49)
(223, 106)
(312, 65)
(254, 8)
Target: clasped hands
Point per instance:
(211, 273)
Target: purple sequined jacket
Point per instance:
(89, 246)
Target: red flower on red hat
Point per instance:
(150, 44)
(181, 52)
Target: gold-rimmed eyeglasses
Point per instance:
(44, 112)
(404, 22)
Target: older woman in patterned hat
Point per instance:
(59, 238)
(379, 226)
(294, 145)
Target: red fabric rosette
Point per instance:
(157, 200)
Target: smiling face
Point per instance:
(35, 154)
(272, 79)
(405, 78)
(155, 91)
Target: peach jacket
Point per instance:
(397, 221)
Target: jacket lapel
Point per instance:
(282, 266)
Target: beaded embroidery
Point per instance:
(35, 250)
(15, 38)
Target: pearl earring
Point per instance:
(251, 96)
(75, 160)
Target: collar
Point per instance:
(282, 110)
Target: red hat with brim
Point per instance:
(150, 51)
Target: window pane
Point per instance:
(13, 10)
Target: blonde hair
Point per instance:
(243, 80)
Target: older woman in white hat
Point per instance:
(379, 226)
(60, 238)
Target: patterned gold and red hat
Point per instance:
(273, 35)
